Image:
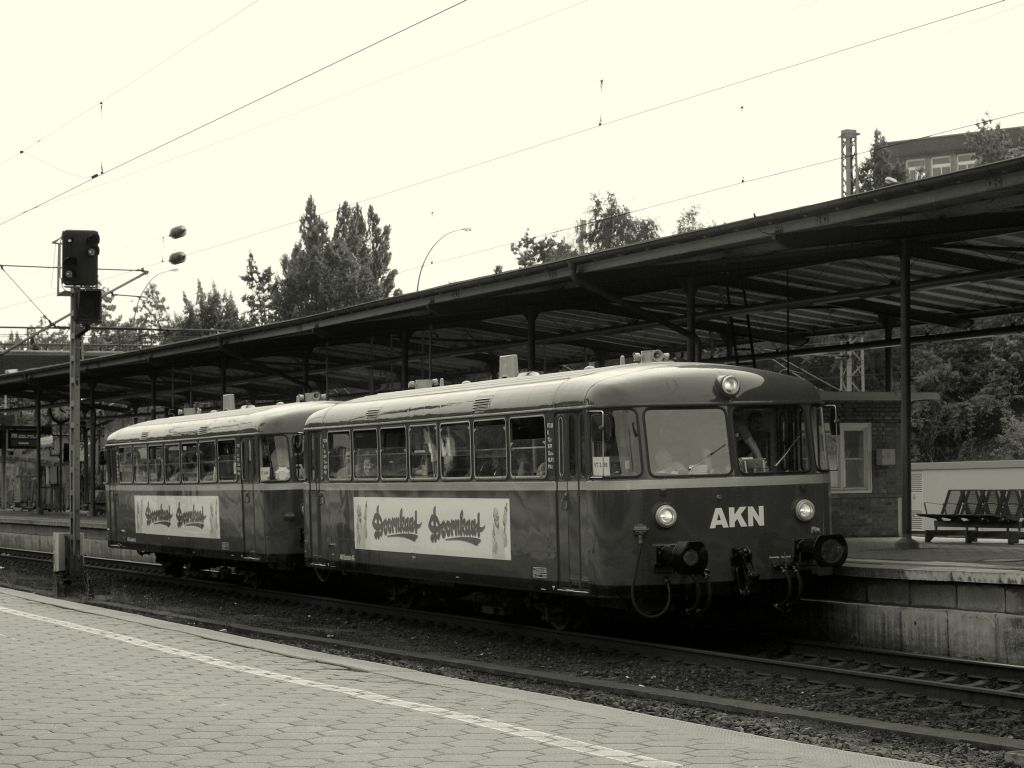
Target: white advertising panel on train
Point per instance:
(195, 517)
(454, 527)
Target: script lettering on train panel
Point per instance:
(194, 517)
(454, 527)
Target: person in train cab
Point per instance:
(665, 463)
(279, 463)
(750, 432)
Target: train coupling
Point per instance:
(829, 551)
(686, 557)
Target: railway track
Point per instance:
(950, 700)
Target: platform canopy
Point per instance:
(818, 279)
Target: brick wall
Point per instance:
(875, 512)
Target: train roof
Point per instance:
(282, 417)
(643, 384)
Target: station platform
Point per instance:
(84, 685)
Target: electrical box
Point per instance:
(61, 548)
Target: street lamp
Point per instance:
(442, 237)
(144, 287)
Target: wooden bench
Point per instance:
(976, 514)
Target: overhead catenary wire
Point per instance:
(241, 107)
(711, 190)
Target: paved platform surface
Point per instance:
(81, 685)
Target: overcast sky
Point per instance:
(500, 116)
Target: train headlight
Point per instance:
(665, 516)
(728, 385)
(804, 510)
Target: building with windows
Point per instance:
(939, 155)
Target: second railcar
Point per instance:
(219, 489)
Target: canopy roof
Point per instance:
(820, 278)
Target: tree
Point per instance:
(991, 143)
(211, 310)
(303, 273)
(529, 250)
(689, 220)
(328, 271)
(878, 166)
(611, 225)
(981, 400)
(261, 294)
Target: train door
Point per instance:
(567, 477)
(250, 473)
(316, 450)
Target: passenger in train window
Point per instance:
(368, 467)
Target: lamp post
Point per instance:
(145, 286)
(442, 237)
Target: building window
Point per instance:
(941, 165)
(967, 160)
(854, 459)
(916, 169)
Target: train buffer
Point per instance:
(976, 514)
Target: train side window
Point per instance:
(156, 463)
(455, 451)
(275, 463)
(423, 451)
(489, 448)
(173, 458)
(124, 464)
(300, 458)
(226, 461)
(526, 447)
(394, 459)
(189, 463)
(339, 452)
(208, 461)
(614, 443)
(141, 475)
(365, 443)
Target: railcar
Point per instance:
(213, 490)
(649, 485)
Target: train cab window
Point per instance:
(339, 453)
(365, 443)
(687, 441)
(139, 460)
(123, 459)
(423, 452)
(614, 443)
(455, 451)
(208, 461)
(772, 439)
(226, 461)
(156, 463)
(489, 448)
(189, 463)
(526, 447)
(394, 461)
(173, 463)
(275, 462)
